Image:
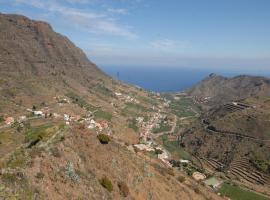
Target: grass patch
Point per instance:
(100, 114)
(106, 183)
(236, 193)
(134, 110)
(181, 107)
(38, 132)
(2, 119)
(133, 124)
(103, 90)
(9, 92)
(80, 101)
(18, 159)
(173, 147)
(148, 100)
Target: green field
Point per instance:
(182, 107)
(173, 147)
(100, 114)
(236, 193)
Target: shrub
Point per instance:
(106, 183)
(40, 175)
(9, 178)
(158, 151)
(55, 152)
(171, 172)
(124, 191)
(104, 139)
(181, 179)
(197, 190)
(2, 119)
(71, 173)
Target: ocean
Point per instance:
(162, 79)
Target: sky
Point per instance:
(225, 34)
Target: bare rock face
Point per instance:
(31, 50)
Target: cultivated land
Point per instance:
(69, 131)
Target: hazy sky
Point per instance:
(229, 34)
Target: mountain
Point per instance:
(217, 89)
(68, 130)
(232, 135)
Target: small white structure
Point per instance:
(184, 161)
(235, 103)
(118, 94)
(38, 113)
(139, 119)
(66, 117)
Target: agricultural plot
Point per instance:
(184, 108)
(237, 193)
(174, 148)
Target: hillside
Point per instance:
(216, 90)
(234, 140)
(68, 131)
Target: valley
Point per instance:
(70, 131)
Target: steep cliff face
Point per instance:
(218, 89)
(32, 51)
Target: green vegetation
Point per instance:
(174, 148)
(134, 110)
(71, 173)
(80, 101)
(158, 151)
(104, 139)
(236, 193)
(9, 92)
(260, 162)
(163, 127)
(106, 183)
(133, 124)
(182, 107)
(148, 100)
(103, 90)
(9, 178)
(18, 159)
(181, 179)
(38, 132)
(2, 119)
(100, 114)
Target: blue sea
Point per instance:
(162, 79)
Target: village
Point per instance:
(148, 138)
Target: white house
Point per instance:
(38, 113)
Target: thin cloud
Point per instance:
(88, 20)
(120, 11)
(168, 44)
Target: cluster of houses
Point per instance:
(201, 99)
(99, 126)
(151, 146)
(126, 98)
(147, 144)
